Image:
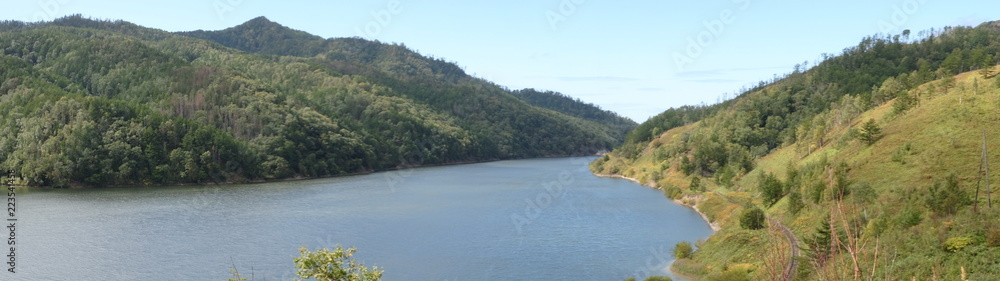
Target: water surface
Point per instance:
(540, 219)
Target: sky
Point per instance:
(637, 58)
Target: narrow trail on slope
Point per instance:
(793, 242)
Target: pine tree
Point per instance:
(870, 132)
(820, 243)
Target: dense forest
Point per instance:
(872, 162)
(94, 103)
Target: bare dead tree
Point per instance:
(776, 259)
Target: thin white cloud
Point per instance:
(595, 79)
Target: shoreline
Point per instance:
(298, 178)
(693, 205)
(682, 201)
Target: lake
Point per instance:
(538, 219)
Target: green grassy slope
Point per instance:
(893, 214)
(887, 204)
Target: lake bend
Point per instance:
(536, 219)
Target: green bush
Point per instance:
(336, 265)
(683, 250)
(816, 193)
(947, 197)
(771, 188)
(876, 227)
(795, 203)
(909, 217)
(993, 234)
(752, 219)
(658, 278)
(956, 244)
(672, 192)
(901, 152)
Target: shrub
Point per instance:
(909, 217)
(863, 194)
(876, 227)
(658, 278)
(899, 155)
(683, 250)
(841, 188)
(795, 203)
(672, 192)
(771, 188)
(956, 244)
(947, 197)
(817, 192)
(752, 219)
(336, 265)
(725, 176)
(993, 235)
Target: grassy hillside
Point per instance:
(899, 207)
(93, 103)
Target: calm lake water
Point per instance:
(542, 219)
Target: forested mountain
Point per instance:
(873, 159)
(93, 103)
(575, 107)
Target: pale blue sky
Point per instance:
(621, 55)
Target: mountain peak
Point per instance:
(261, 20)
(261, 35)
(263, 24)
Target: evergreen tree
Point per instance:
(752, 219)
(870, 132)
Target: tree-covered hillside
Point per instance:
(872, 159)
(576, 107)
(93, 103)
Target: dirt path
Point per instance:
(793, 242)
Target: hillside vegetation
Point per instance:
(871, 158)
(96, 103)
